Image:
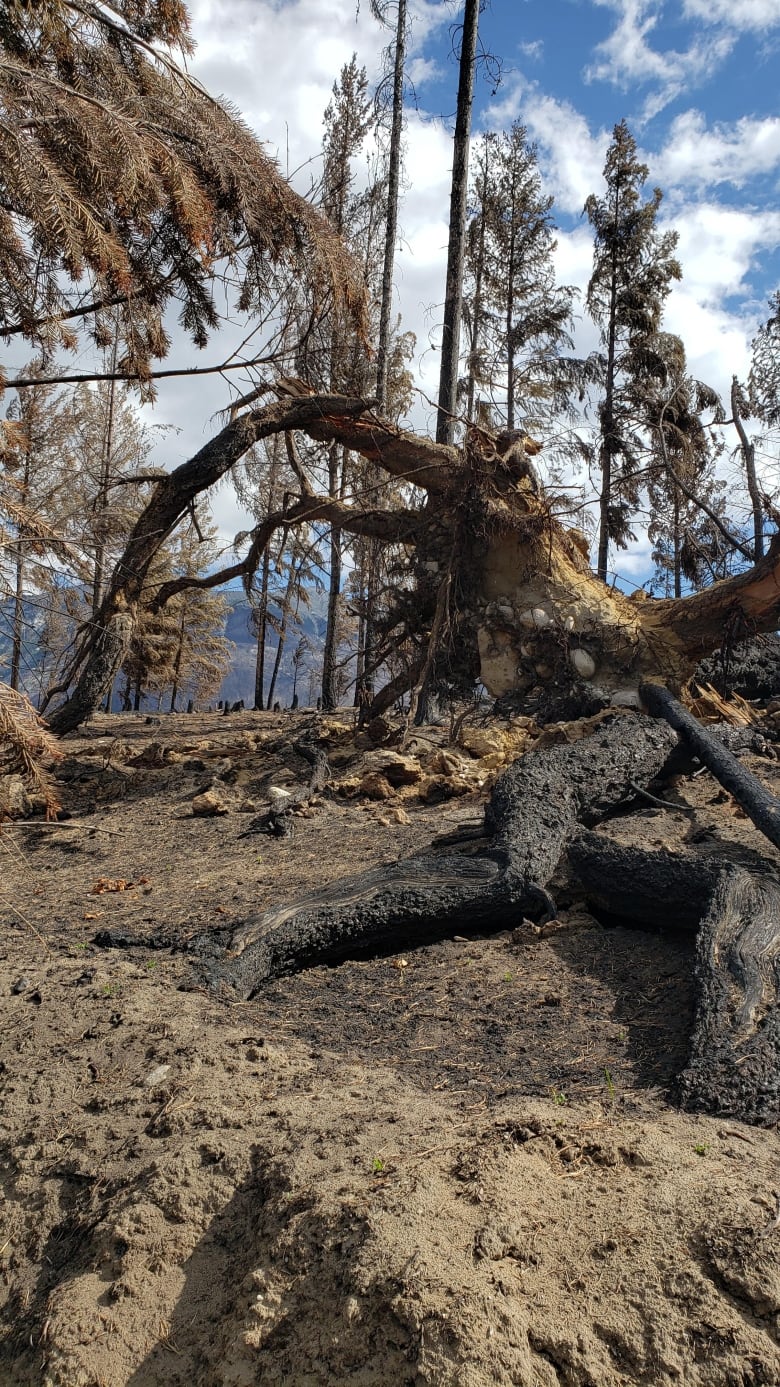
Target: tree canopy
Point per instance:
(125, 185)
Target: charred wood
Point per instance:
(734, 1064)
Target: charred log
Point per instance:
(734, 1064)
(533, 811)
(539, 810)
(758, 803)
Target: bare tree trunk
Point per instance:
(262, 630)
(510, 349)
(607, 418)
(285, 606)
(749, 459)
(18, 616)
(100, 505)
(329, 653)
(19, 576)
(393, 181)
(476, 313)
(177, 662)
(450, 340)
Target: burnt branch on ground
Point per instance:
(538, 809)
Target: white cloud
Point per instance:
(533, 49)
(700, 156)
(572, 157)
(758, 15)
(628, 60)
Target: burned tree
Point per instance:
(502, 584)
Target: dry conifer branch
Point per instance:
(26, 746)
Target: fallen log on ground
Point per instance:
(533, 811)
(761, 806)
(539, 807)
(734, 1063)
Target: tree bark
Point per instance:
(749, 459)
(450, 339)
(734, 1062)
(393, 183)
(531, 816)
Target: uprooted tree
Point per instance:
(500, 587)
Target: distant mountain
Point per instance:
(239, 682)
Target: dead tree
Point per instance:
(502, 584)
(542, 809)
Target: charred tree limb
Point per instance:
(396, 526)
(758, 803)
(734, 1064)
(533, 811)
(540, 810)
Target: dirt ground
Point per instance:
(457, 1166)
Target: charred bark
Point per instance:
(533, 812)
(761, 806)
(538, 812)
(734, 1064)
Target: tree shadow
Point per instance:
(273, 1293)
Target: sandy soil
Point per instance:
(453, 1166)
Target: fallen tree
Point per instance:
(544, 807)
(503, 591)
(502, 587)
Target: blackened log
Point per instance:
(758, 803)
(734, 1064)
(532, 813)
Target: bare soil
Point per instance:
(455, 1166)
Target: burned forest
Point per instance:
(389, 707)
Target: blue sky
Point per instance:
(696, 80)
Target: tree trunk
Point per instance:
(450, 340)
(607, 420)
(262, 630)
(749, 459)
(537, 811)
(18, 614)
(285, 611)
(100, 505)
(177, 661)
(330, 652)
(393, 182)
(510, 310)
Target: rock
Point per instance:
(157, 1076)
(583, 662)
(442, 762)
(155, 754)
(378, 731)
(279, 799)
(438, 788)
(483, 741)
(394, 814)
(399, 770)
(376, 786)
(15, 803)
(209, 803)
